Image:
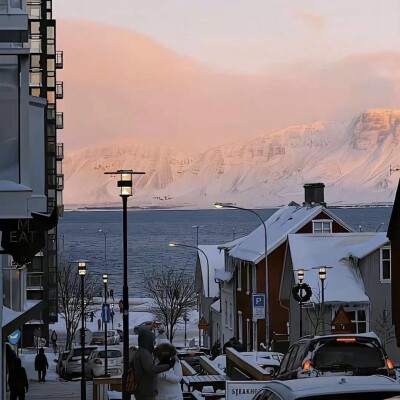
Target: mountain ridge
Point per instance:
(352, 159)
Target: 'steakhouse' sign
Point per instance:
(24, 238)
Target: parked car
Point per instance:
(96, 362)
(98, 338)
(113, 336)
(60, 363)
(73, 366)
(359, 354)
(330, 388)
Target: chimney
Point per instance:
(314, 194)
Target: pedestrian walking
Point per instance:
(168, 383)
(54, 340)
(121, 306)
(91, 316)
(18, 381)
(41, 365)
(99, 324)
(144, 368)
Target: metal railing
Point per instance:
(60, 151)
(59, 59)
(59, 90)
(60, 120)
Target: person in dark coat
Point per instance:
(144, 368)
(18, 381)
(41, 365)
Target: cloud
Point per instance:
(312, 21)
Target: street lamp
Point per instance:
(105, 316)
(82, 273)
(300, 277)
(230, 205)
(208, 278)
(205, 255)
(125, 183)
(105, 248)
(197, 233)
(322, 277)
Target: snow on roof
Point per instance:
(223, 275)
(343, 282)
(287, 219)
(363, 249)
(216, 260)
(216, 306)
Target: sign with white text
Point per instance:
(243, 390)
(258, 306)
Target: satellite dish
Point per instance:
(88, 336)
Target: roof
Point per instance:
(216, 260)
(344, 282)
(288, 219)
(222, 275)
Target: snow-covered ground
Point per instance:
(136, 317)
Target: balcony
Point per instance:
(60, 151)
(59, 59)
(60, 182)
(60, 120)
(34, 280)
(59, 90)
(35, 79)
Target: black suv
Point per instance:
(313, 356)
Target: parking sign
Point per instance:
(258, 306)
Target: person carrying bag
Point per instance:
(142, 374)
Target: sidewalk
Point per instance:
(57, 390)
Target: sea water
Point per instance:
(150, 231)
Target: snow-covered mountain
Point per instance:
(352, 159)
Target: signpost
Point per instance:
(258, 306)
(14, 337)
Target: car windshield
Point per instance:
(101, 334)
(379, 395)
(337, 355)
(110, 353)
(78, 352)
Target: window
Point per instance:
(322, 226)
(359, 316)
(248, 334)
(254, 279)
(247, 278)
(255, 336)
(239, 277)
(240, 326)
(385, 275)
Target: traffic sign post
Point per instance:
(258, 306)
(105, 314)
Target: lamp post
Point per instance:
(300, 277)
(125, 183)
(197, 233)
(82, 273)
(105, 248)
(208, 277)
(229, 205)
(105, 316)
(322, 277)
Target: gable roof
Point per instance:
(286, 220)
(334, 250)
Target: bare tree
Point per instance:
(316, 315)
(69, 297)
(174, 295)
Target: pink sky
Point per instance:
(120, 83)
